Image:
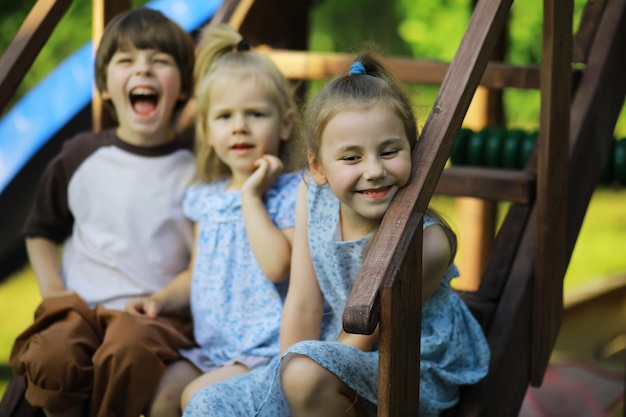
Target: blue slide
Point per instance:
(33, 130)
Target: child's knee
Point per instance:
(301, 378)
(124, 354)
(55, 365)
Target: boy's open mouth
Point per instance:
(144, 100)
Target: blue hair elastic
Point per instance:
(357, 68)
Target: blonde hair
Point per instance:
(221, 49)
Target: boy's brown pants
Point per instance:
(73, 354)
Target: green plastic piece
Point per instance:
(619, 161)
(493, 147)
(459, 149)
(511, 148)
(475, 148)
(527, 148)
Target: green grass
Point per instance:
(598, 255)
(20, 296)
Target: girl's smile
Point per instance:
(365, 157)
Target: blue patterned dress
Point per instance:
(236, 309)
(454, 351)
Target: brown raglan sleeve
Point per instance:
(50, 216)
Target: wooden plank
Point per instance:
(589, 22)
(224, 12)
(102, 13)
(316, 65)
(551, 204)
(501, 392)
(487, 184)
(391, 243)
(30, 38)
(595, 109)
(400, 330)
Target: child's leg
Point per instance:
(166, 400)
(130, 361)
(312, 390)
(212, 377)
(54, 354)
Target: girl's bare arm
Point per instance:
(304, 305)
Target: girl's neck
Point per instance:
(354, 229)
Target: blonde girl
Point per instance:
(360, 131)
(243, 207)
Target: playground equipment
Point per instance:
(519, 300)
(498, 147)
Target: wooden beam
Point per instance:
(400, 330)
(501, 392)
(30, 38)
(102, 13)
(552, 181)
(488, 184)
(595, 110)
(587, 30)
(232, 12)
(315, 65)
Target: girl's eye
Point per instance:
(390, 153)
(351, 158)
(223, 116)
(257, 114)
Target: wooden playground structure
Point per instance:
(519, 298)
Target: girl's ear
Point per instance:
(287, 125)
(315, 168)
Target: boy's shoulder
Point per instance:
(85, 143)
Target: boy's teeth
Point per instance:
(143, 91)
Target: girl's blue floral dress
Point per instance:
(454, 351)
(236, 309)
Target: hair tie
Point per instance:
(243, 46)
(357, 68)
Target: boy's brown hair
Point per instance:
(145, 28)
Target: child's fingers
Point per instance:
(151, 308)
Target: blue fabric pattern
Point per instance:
(236, 309)
(454, 350)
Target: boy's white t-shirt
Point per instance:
(117, 210)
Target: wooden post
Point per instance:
(102, 12)
(552, 173)
(477, 218)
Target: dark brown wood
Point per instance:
(233, 12)
(230, 11)
(501, 392)
(595, 109)
(488, 184)
(400, 329)
(587, 30)
(429, 158)
(30, 38)
(551, 204)
(102, 13)
(13, 403)
(315, 65)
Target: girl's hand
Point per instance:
(144, 306)
(269, 168)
